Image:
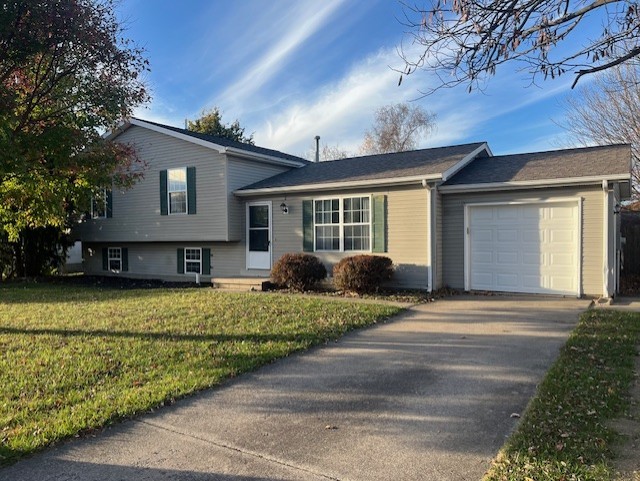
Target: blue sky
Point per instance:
(291, 70)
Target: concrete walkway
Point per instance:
(428, 396)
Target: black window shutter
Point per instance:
(180, 261)
(191, 189)
(109, 201)
(379, 223)
(125, 259)
(105, 259)
(206, 262)
(307, 225)
(164, 209)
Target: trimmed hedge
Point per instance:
(298, 271)
(362, 273)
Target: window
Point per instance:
(115, 259)
(177, 190)
(99, 205)
(342, 224)
(193, 260)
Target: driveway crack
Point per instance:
(246, 452)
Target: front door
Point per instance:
(259, 235)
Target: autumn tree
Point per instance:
(66, 74)
(607, 111)
(397, 128)
(210, 123)
(465, 41)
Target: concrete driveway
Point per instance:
(428, 396)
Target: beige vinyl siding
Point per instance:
(241, 173)
(407, 230)
(136, 211)
(591, 235)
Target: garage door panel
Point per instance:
(524, 248)
(507, 235)
(506, 280)
(508, 258)
(507, 213)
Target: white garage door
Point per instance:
(524, 248)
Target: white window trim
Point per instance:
(93, 212)
(109, 258)
(342, 224)
(186, 192)
(199, 249)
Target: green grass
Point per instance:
(74, 359)
(563, 435)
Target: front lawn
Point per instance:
(74, 358)
(564, 434)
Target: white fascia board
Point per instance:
(267, 159)
(532, 184)
(213, 146)
(451, 171)
(120, 128)
(338, 185)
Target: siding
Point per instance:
(591, 236)
(438, 281)
(159, 260)
(136, 212)
(241, 173)
(407, 230)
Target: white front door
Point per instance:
(259, 235)
(529, 247)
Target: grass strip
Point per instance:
(73, 359)
(564, 434)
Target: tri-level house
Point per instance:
(454, 216)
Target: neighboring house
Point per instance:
(451, 216)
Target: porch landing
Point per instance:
(239, 283)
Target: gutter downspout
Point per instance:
(605, 238)
(429, 237)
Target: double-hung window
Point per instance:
(342, 224)
(177, 190)
(99, 205)
(193, 260)
(114, 259)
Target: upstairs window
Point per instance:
(177, 189)
(101, 204)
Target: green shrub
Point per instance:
(298, 271)
(362, 273)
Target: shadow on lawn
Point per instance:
(168, 336)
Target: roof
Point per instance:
(603, 162)
(425, 163)
(225, 142)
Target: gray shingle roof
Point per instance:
(600, 161)
(223, 141)
(371, 167)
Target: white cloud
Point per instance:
(300, 26)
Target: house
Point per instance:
(453, 216)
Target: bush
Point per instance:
(362, 273)
(298, 271)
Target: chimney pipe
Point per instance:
(317, 148)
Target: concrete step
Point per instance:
(239, 283)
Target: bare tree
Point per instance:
(608, 112)
(397, 128)
(329, 152)
(464, 41)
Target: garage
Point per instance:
(530, 247)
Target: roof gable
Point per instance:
(220, 144)
(598, 163)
